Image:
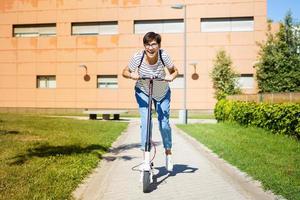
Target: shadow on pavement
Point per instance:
(162, 171)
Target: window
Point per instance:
(246, 81)
(159, 26)
(34, 30)
(107, 81)
(227, 24)
(95, 28)
(46, 81)
(178, 82)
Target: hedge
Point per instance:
(283, 118)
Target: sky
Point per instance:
(277, 9)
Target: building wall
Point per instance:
(22, 59)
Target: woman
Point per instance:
(153, 62)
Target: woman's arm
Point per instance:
(132, 75)
(173, 73)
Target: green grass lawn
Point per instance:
(46, 158)
(272, 159)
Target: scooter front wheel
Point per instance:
(146, 181)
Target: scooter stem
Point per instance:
(149, 118)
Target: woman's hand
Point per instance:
(169, 77)
(134, 75)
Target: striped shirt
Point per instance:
(160, 88)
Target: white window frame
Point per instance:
(245, 81)
(46, 81)
(95, 28)
(159, 26)
(227, 24)
(107, 81)
(34, 30)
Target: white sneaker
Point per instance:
(169, 164)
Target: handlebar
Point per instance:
(152, 78)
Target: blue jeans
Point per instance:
(163, 111)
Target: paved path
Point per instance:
(198, 173)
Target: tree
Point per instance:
(278, 67)
(224, 78)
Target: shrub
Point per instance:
(281, 118)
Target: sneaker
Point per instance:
(169, 164)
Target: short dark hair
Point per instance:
(148, 37)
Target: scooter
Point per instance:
(147, 167)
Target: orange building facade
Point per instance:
(70, 53)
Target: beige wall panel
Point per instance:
(244, 66)
(66, 15)
(169, 40)
(47, 5)
(86, 95)
(45, 104)
(8, 18)
(86, 42)
(28, 95)
(86, 15)
(66, 42)
(27, 5)
(5, 30)
(66, 55)
(27, 43)
(107, 14)
(46, 68)
(65, 82)
(242, 9)
(8, 81)
(47, 43)
(242, 52)
(108, 70)
(8, 6)
(7, 95)
(26, 81)
(46, 16)
(196, 53)
(28, 17)
(65, 95)
(242, 38)
(64, 29)
(218, 10)
(8, 43)
(107, 54)
(197, 10)
(126, 26)
(67, 68)
(260, 8)
(26, 56)
(260, 36)
(131, 13)
(107, 95)
(129, 40)
(86, 4)
(26, 68)
(46, 55)
(66, 104)
(8, 68)
(260, 24)
(84, 55)
(195, 39)
(66, 4)
(26, 104)
(8, 56)
(107, 41)
(125, 54)
(45, 94)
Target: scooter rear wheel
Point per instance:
(146, 181)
